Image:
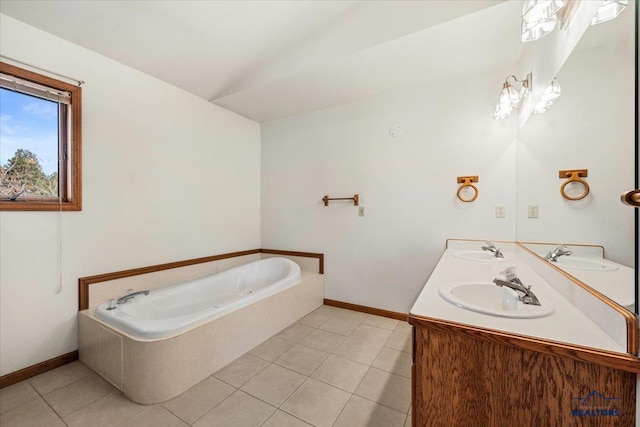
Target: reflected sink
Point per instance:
(592, 264)
(488, 298)
(472, 255)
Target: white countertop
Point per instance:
(567, 324)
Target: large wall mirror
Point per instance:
(590, 126)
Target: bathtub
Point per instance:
(155, 347)
(170, 310)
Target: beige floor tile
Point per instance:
(340, 372)
(59, 377)
(302, 359)
(399, 341)
(358, 350)
(404, 328)
(272, 348)
(274, 385)
(339, 326)
(239, 410)
(407, 423)
(241, 370)
(361, 412)
(327, 310)
(112, 410)
(316, 403)
(295, 332)
(323, 340)
(199, 399)
(394, 361)
(314, 320)
(386, 388)
(352, 316)
(381, 322)
(79, 394)
(33, 414)
(371, 334)
(282, 419)
(16, 395)
(155, 416)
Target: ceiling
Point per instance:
(271, 59)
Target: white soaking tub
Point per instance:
(167, 311)
(155, 347)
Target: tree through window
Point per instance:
(39, 142)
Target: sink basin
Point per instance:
(472, 255)
(488, 298)
(592, 264)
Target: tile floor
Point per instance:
(334, 367)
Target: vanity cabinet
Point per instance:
(468, 376)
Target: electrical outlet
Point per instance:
(532, 211)
(360, 210)
(501, 211)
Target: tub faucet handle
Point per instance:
(112, 304)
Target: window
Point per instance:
(40, 142)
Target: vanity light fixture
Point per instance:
(539, 18)
(610, 9)
(510, 98)
(548, 97)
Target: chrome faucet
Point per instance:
(559, 251)
(130, 295)
(525, 294)
(491, 247)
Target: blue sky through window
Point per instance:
(30, 123)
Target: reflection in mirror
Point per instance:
(590, 126)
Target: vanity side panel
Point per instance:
(465, 381)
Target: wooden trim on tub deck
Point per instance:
(368, 310)
(32, 371)
(85, 282)
(301, 254)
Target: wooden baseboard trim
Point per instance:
(39, 368)
(369, 310)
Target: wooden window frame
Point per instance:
(70, 175)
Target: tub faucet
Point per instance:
(525, 294)
(559, 251)
(130, 295)
(491, 247)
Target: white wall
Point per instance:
(167, 176)
(408, 185)
(591, 126)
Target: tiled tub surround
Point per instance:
(333, 367)
(152, 371)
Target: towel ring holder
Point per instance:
(575, 176)
(466, 181)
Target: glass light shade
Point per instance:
(502, 113)
(531, 32)
(609, 10)
(508, 95)
(534, 11)
(539, 18)
(552, 92)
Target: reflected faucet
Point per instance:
(525, 294)
(130, 295)
(559, 251)
(491, 247)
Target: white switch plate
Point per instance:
(532, 211)
(360, 210)
(501, 211)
